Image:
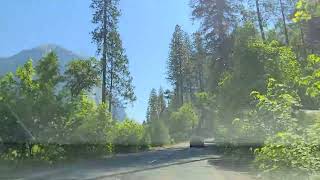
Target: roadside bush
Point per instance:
(159, 133)
(89, 127)
(128, 136)
(289, 155)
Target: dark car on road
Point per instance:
(197, 141)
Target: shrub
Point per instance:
(183, 122)
(128, 136)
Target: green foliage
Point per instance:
(48, 73)
(116, 78)
(243, 90)
(305, 10)
(311, 80)
(153, 107)
(94, 123)
(232, 96)
(82, 76)
(216, 21)
(290, 145)
(178, 64)
(128, 136)
(276, 107)
(290, 152)
(54, 118)
(156, 129)
(280, 62)
(159, 133)
(183, 122)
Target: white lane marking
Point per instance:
(153, 161)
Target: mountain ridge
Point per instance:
(11, 63)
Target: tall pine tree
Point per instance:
(116, 79)
(152, 112)
(218, 19)
(177, 63)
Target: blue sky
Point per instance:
(146, 27)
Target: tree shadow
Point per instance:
(120, 165)
(230, 164)
(134, 163)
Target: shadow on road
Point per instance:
(146, 169)
(131, 163)
(230, 164)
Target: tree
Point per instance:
(218, 19)
(153, 104)
(183, 122)
(159, 133)
(82, 76)
(176, 65)
(203, 104)
(156, 105)
(307, 13)
(49, 102)
(199, 61)
(260, 20)
(217, 16)
(116, 79)
(161, 102)
(48, 72)
(280, 11)
(17, 94)
(284, 20)
(120, 88)
(105, 16)
(90, 126)
(189, 76)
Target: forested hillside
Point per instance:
(246, 78)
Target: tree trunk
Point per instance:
(180, 84)
(260, 20)
(111, 87)
(200, 77)
(284, 23)
(104, 55)
(104, 79)
(181, 90)
(303, 44)
(302, 36)
(191, 92)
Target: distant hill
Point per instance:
(11, 63)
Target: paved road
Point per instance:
(166, 164)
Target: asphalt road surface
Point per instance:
(162, 164)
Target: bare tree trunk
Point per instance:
(303, 44)
(260, 20)
(284, 23)
(104, 55)
(302, 36)
(200, 77)
(111, 87)
(104, 79)
(181, 92)
(180, 85)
